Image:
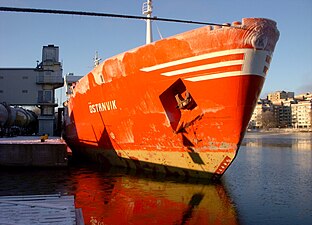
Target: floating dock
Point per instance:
(33, 151)
(39, 209)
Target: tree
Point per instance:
(268, 120)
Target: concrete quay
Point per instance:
(33, 151)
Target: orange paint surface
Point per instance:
(194, 91)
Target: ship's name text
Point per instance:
(103, 106)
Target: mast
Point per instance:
(147, 10)
(96, 59)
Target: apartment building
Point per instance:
(282, 109)
(280, 96)
(257, 118)
(282, 114)
(302, 114)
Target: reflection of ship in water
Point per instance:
(301, 141)
(124, 199)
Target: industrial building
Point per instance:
(34, 87)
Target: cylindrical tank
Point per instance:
(21, 119)
(4, 115)
(12, 116)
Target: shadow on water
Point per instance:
(119, 196)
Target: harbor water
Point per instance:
(269, 182)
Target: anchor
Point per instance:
(184, 103)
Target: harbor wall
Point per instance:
(45, 154)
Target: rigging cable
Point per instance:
(81, 13)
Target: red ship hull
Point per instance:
(178, 105)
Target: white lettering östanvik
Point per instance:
(103, 106)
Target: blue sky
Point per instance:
(22, 35)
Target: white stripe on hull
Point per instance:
(194, 59)
(254, 63)
(218, 75)
(203, 67)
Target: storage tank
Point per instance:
(12, 116)
(4, 115)
(22, 117)
(14, 119)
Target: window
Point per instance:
(24, 77)
(48, 96)
(45, 96)
(24, 91)
(47, 111)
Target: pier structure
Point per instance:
(33, 151)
